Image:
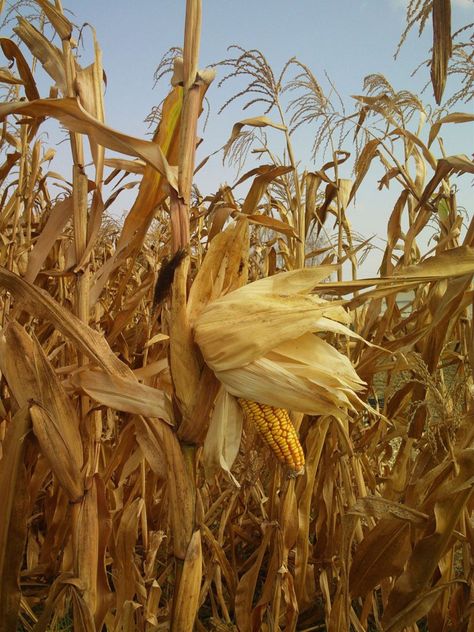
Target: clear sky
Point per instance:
(348, 39)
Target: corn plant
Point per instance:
(199, 430)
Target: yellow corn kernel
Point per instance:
(275, 427)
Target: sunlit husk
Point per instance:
(270, 383)
(259, 344)
(245, 324)
(223, 438)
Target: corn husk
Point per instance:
(260, 342)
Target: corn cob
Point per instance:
(275, 427)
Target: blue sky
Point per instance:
(348, 39)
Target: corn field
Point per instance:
(208, 420)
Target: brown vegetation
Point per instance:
(133, 495)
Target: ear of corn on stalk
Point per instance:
(276, 429)
(263, 342)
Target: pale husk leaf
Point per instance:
(223, 438)
(308, 387)
(237, 329)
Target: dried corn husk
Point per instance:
(259, 341)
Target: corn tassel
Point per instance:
(275, 427)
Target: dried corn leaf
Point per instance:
(7, 77)
(266, 175)
(82, 615)
(185, 364)
(41, 305)
(418, 608)
(58, 453)
(454, 117)
(129, 166)
(61, 24)
(57, 220)
(273, 224)
(450, 263)
(257, 121)
(124, 394)
(73, 116)
(48, 54)
(429, 549)
(86, 544)
(379, 507)
(55, 423)
(382, 553)
(451, 164)
(150, 445)
(187, 597)
(14, 501)
(442, 46)
(363, 163)
(12, 52)
(248, 583)
(88, 84)
(153, 190)
(125, 538)
(180, 488)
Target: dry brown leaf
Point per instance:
(379, 507)
(150, 445)
(7, 77)
(187, 597)
(256, 121)
(88, 85)
(266, 175)
(47, 53)
(130, 307)
(124, 394)
(382, 553)
(75, 118)
(418, 608)
(431, 546)
(130, 166)
(304, 490)
(185, 363)
(273, 224)
(33, 382)
(179, 464)
(86, 544)
(248, 583)
(125, 538)
(223, 438)
(442, 46)
(153, 190)
(427, 155)
(452, 164)
(12, 52)
(13, 525)
(363, 163)
(58, 453)
(58, 20)
(40, 304)
(454, 117)
(57, 220)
